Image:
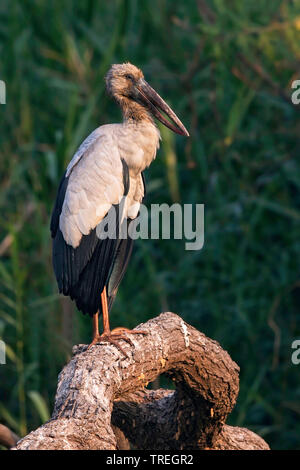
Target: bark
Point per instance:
(102, 403)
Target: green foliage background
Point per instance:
(226, 68)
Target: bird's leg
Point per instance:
(107, 335)
(96, 335)
(120, 330)
(106, 327)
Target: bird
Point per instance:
(106, 175)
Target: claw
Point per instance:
(122, 330)
(112, 338)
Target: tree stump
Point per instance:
(102, 403)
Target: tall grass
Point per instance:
(226, 68)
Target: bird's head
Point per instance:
(126, 83)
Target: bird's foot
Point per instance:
(122, 330)
(114, 336)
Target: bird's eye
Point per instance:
(129, 76)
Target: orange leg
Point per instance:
(107, 335)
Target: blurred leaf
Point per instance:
(237, 113)
(40, 405)
(10, 420)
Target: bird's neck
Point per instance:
(138, 140)
(134, 112)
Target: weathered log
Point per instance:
(101, 401)
(147, 419)
(8, 438)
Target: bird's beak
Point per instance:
(149, 98)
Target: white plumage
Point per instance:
(96, 176)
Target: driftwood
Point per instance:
(102, 403)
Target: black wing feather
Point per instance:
(87, 291)
(121, 260)
(54, 224)
(125, 177)
(144, 183)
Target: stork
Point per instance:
(106, 169)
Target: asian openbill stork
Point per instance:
(106, 169)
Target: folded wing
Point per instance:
(94, 184)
